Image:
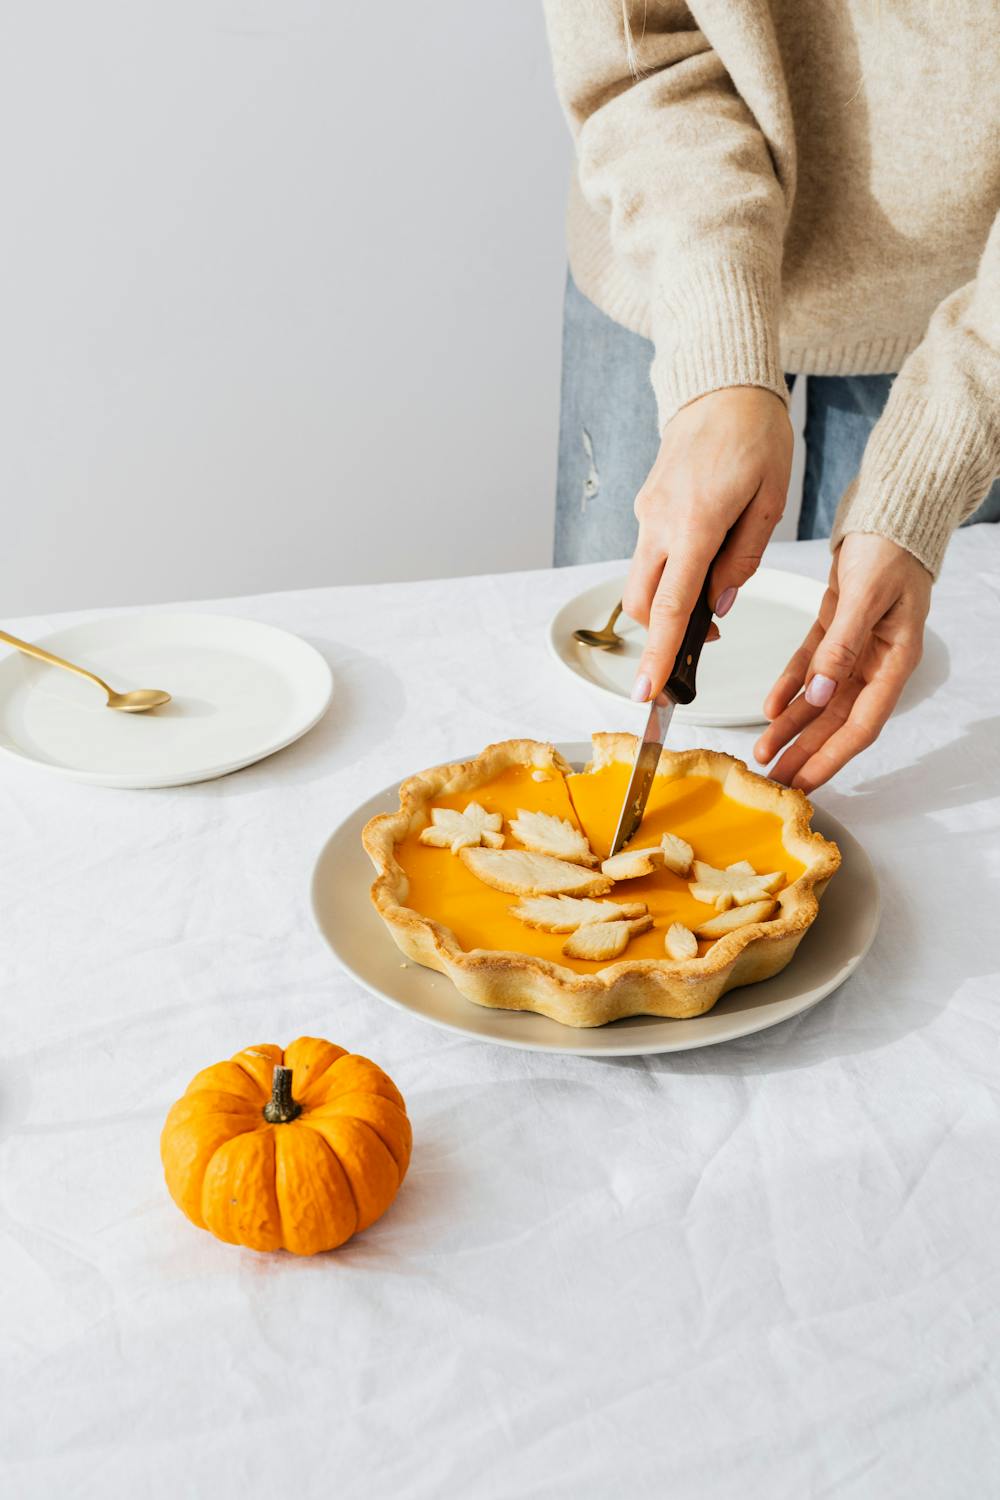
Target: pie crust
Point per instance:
(510, 980)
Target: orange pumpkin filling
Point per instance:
(719, 829)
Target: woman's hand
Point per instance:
(853, 663)
(723, 466)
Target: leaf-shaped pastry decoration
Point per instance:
(546, 834)
(736, 917)
(604, 940)
(737, 885)
(463, 830)
(525, 874)
(631, 863)
(677, 853)
(680, 942)
(567, 913)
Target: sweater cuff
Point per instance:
(925, 469)
(714, 326)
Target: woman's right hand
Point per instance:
(723, 466)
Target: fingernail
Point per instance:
(725, 602)
(820, 690)
(640, 688)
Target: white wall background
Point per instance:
(280, 295)
(280, 291)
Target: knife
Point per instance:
(678, 688)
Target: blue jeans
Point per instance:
(609, 436)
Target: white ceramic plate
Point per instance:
(768, 622)
(240, 691)
(830, 951)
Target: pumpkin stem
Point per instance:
(281, 1107)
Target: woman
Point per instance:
(771, 186)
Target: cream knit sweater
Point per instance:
(803, 185)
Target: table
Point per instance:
(764, 1269)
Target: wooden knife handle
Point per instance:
(681, 682)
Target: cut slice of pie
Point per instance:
(731, 875)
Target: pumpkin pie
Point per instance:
(497, 872)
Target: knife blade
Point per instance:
(678, 688)
(643, 770)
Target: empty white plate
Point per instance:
(769, 621)
(239, 690)
(830, 951)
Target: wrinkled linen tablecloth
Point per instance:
(768, 1268)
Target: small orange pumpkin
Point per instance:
(295, 1150)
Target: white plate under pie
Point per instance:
(769, 621)
(240, 690)
(828, 954)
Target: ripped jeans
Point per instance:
(609, 436)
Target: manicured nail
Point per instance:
(724, 603)
(820, 690)
(640, 688)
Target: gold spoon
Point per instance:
(135, 702)
(606, 639)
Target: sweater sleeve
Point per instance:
(696, 195)
(936, 448)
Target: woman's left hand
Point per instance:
(853, 664)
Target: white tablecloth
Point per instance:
(764, 1269)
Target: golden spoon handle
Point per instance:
(614, 616)
(54, 661)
